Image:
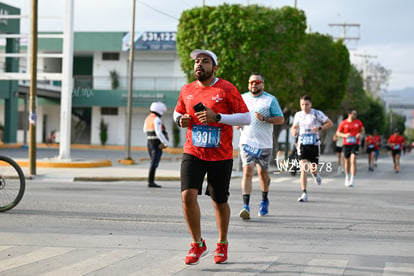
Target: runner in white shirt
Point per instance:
(256, 141)
(307, 123)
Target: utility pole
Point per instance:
(130, 86)
(364, 70)
(33, 90)
(344, 27)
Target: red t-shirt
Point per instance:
(353, 128)
(377, 141)
(396, 140)
(223, 97)
(370, 142)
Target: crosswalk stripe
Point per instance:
(34, 256)
(396, 269)
(168, 266)
(325, 267)
(92, 264)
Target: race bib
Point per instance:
(255, 152)
(206, 136)
(351, 140)
(397, 147)
(371, 146)
(309, 139)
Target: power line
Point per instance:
(157, 10)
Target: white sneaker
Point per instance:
(317, 179)
(303, 198)
(349, 183)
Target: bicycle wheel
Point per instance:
(12, 183)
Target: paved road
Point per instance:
(66, 227)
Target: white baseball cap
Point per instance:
(196, 52)
(158, 107)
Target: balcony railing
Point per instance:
(141, 83)
(105, 83)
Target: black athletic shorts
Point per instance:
(369, 150)
(350, 149)
(193, 171)
(396, 152)
(310, 153)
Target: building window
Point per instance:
(22, 121)
(110, 56)
(109, 110)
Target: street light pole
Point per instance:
(33, 90)
(130, 86)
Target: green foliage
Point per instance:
(114, 79)
(373, 116)
(393, 121)
(324, 70)
(246, 39)
(103, 131)
(355, 96)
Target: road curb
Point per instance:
(67, 164)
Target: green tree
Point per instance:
(377, 78)
(394, 120)
(370, 110)
(324, 68)
(355, 96)
(246, 39)
(373, 116)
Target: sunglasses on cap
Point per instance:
(255, 81)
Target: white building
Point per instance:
(100, 72)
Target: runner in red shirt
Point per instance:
(371, 146)
(350, 129)
(396, 141)
(377, 140)
(209, 108)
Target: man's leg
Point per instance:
(222, 212)
(246, 183)
(192, 214)
(303, 174)
(264, 179)
(397, 162)
(303, 179)
(246, 186)
(353, 164)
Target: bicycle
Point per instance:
(12, 183)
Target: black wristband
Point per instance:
(320, 128)
(177, 121)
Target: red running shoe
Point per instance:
(195, 253)
(221, 253)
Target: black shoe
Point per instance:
(154, 185)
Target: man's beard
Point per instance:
(203, 75)
(258, 91)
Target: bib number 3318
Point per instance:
(206, 136)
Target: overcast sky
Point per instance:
(385, 32)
